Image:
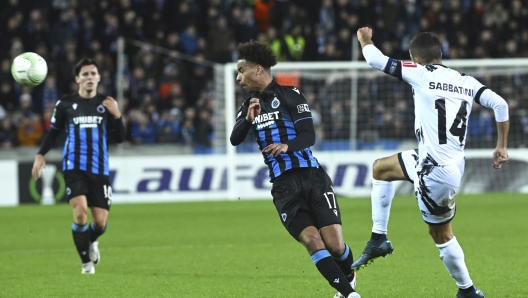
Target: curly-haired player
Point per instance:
(302, 191)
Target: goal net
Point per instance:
(358, 109)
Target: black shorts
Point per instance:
(305, 197)
(96, 188)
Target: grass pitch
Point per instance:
(240, 249)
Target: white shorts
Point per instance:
(408, 162)
(435, 188)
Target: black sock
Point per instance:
(376, 236)
(95, 233)
(329, 269)
(345, 262)
(81, 238)
(468, 290)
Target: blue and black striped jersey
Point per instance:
(281, 108)
(85, 122)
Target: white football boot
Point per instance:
(95, 256)
(352, 295)
(88, 268)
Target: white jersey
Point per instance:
(442, 103)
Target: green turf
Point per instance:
(240, 249)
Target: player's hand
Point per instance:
(111, 104)
(37, 165)
(253, 110)
(500, 156)
(364, 36)
(275, 149)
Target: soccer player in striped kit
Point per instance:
(88, 119)
(302, 192)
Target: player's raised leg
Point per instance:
(399, 166)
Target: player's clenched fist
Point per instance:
(364, 33)
(253, 110)
(364, 36)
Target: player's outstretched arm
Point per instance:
(500, 155)
(372, 54)
(492, 100)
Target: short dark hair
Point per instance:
(84, 62)
(426, 46)
(256, 52)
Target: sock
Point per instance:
(81, 238)
(381, 199)
(329, 269)
(95, 233)
(453, 257)
(345, 262)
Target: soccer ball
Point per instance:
(29, 69)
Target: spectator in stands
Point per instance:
(30, 131)
(50, 94)
(262, 14)
(218, 37)
(189, 40)
(204, 132)
(143, 130)
(244, 25)
(295, 43)
(8, 98)
(8, 134)
(61, 31)
(480, 126)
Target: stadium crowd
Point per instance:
(170, 98)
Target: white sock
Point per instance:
(453, 257)
(381, 199)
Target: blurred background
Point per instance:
(171, 89)
(170, 65)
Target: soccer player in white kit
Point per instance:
(443, 98)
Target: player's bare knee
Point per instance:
(99, 223)
(379, 172)
(439, 234)
(312, 242)
(336, 248)
(80, 218)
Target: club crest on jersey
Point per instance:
(74, 106)
(284, 215)
(275, 103)
(303, 108)
(100, 109)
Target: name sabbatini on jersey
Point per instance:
(451, 88)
